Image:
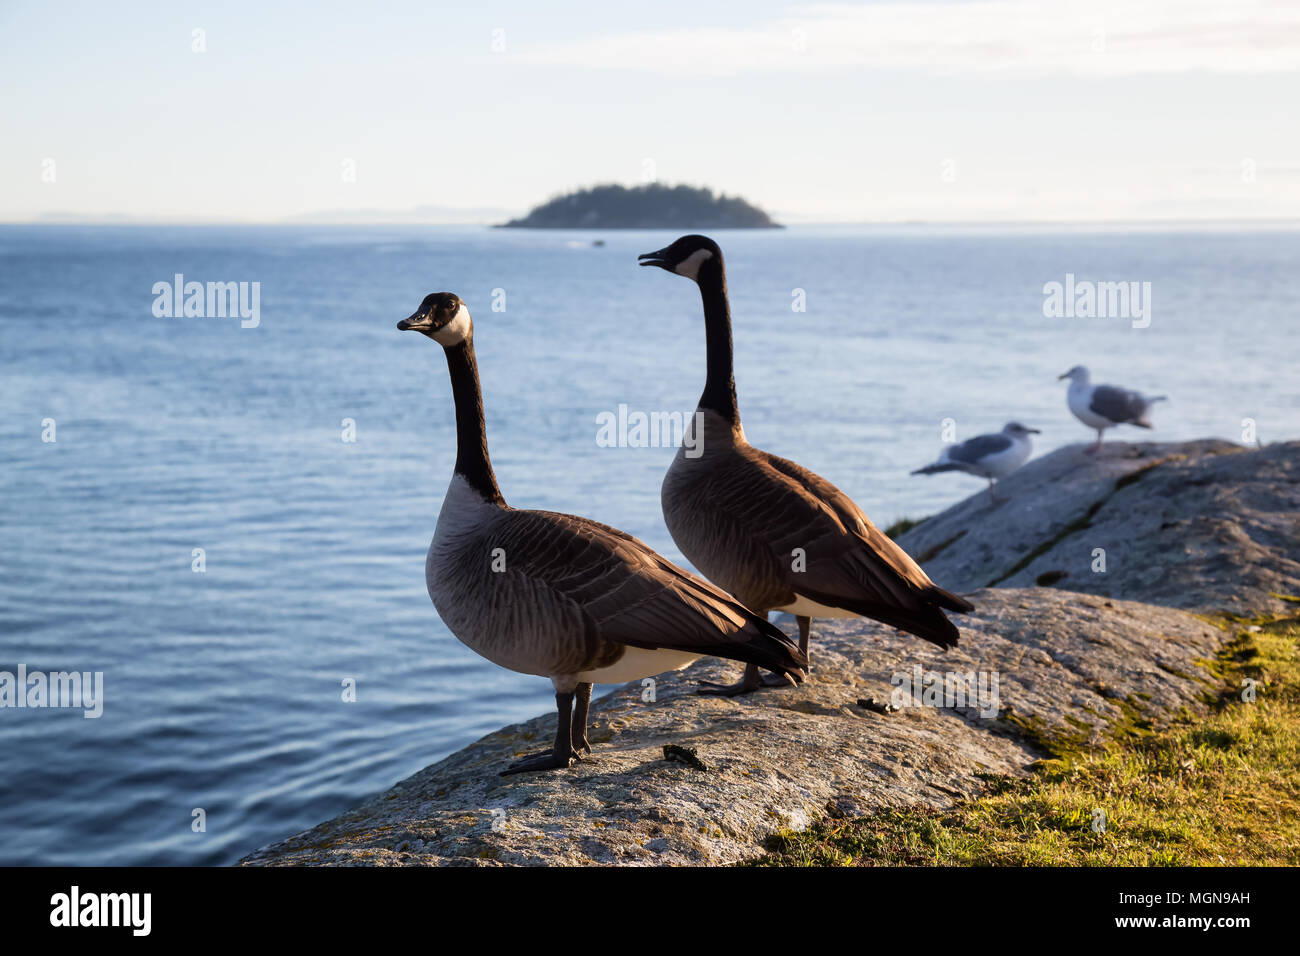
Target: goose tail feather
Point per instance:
(769, 647)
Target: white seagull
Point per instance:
(1105, 406)
(988, 456)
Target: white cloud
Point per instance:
(1094, 37)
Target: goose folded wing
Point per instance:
(851, 563)
(628, 593)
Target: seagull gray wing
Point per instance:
(971, 451)
(1120, 405)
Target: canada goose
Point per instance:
(1105, 406)
(559, 596)
(988, 456)
(768, 530)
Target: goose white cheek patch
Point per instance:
(690, 266)
(457, 330)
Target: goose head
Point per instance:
(1078, 374)
(1017, 430)
(686, 257)
(443, 317)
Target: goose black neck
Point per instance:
(720, 381)
(472, 461)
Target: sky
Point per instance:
(892, 111)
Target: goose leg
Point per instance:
(561, 756)
(779, 680)
(579, 732)
(750, 681)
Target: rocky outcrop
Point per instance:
(780, 758)
(1189, 526)
(1207, 526)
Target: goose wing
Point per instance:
(626, 593)
(850, 563)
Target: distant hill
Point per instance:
(652, 206)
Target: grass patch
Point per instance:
(1218, 789)
(901, 526)
(1074, 527)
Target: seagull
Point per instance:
(989, 456)
(1105, 406)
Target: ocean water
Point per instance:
(223, 690)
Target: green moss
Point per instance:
(1135, 476)
(1075, 526)
(1216, 789)
(933, 552)
(901, 526)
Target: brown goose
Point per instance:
(771, 532)
(559, 596)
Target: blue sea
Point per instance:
(307, 457)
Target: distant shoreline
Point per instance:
(1064, 225)
(678, 227)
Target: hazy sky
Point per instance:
(885, 111)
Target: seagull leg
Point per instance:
(579, 732)
(561, 756)
(994, 500)
(1097, 447)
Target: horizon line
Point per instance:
(295, 222)
(1275, 221)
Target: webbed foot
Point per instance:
(546, 760)
(749, 682)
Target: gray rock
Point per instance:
(781, 758)
(1207, 526)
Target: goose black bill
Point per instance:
(659, 258)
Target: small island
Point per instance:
(652, 206)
